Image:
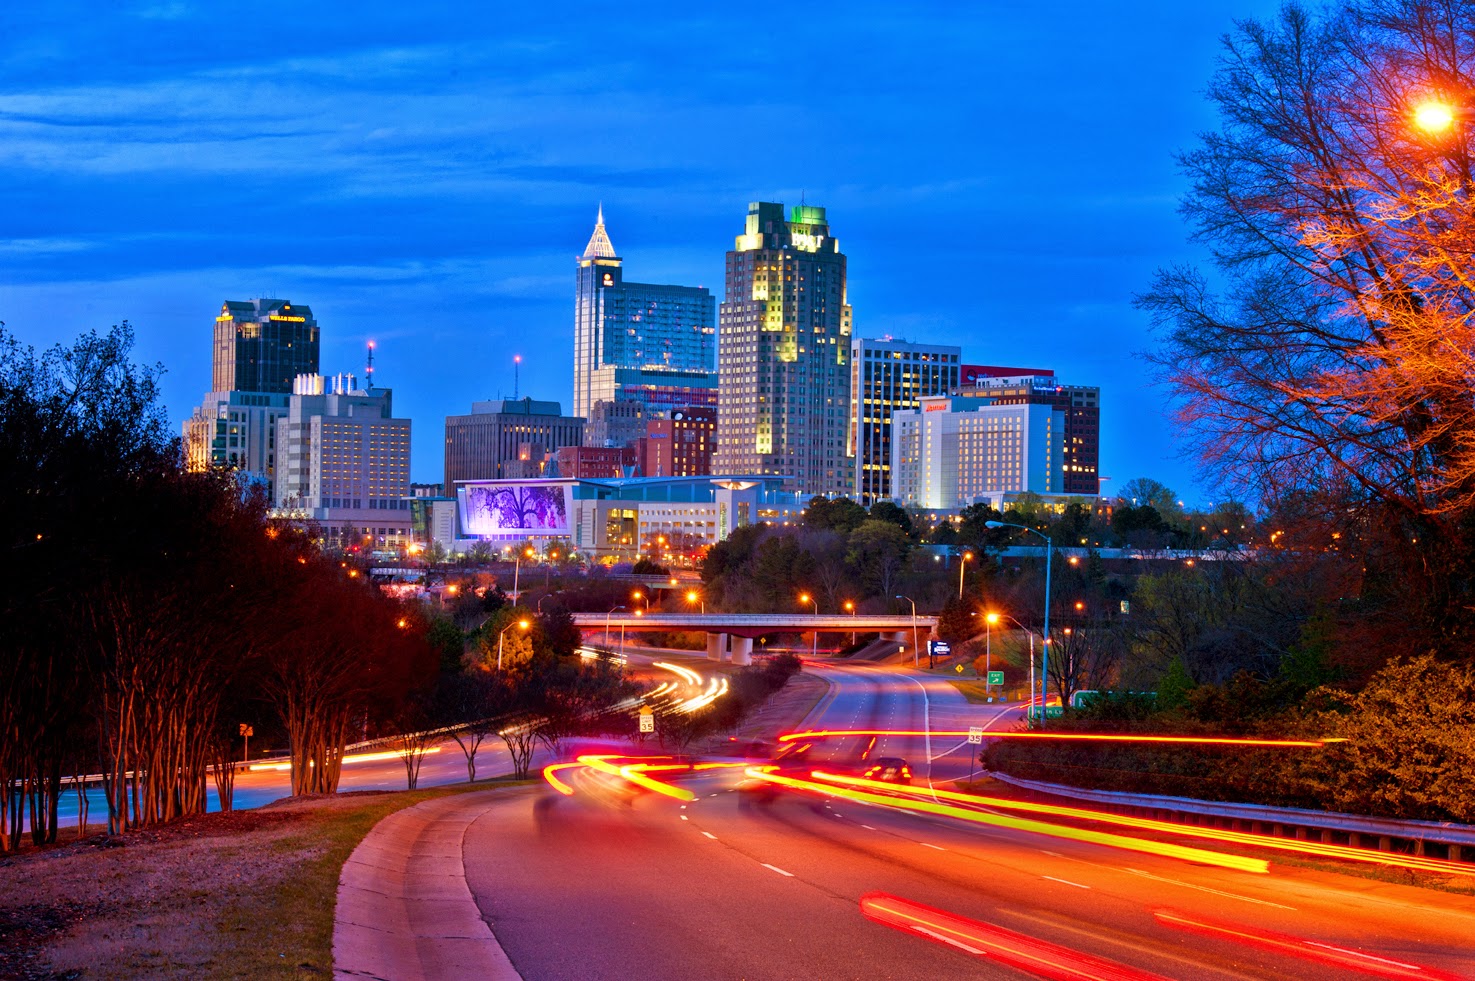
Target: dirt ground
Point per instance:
(185, 900)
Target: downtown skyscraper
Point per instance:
(639, 342)
(784, 353)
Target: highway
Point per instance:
(604, 883)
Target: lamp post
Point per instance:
(813, 637)
(963, 565)
(641, 596)
(520, 623)
(1045, 633)
(606, 628)
(850, 608)
(692, 596)
(517, 571)
(915, 643)
(989, 619)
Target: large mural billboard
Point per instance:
(504, 509)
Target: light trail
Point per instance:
(353, 758)
(1186, 853)
(1310, 950)
(1061, 737)
(687, 674)
(1016, 950)
(1344, 852)
(556, 783)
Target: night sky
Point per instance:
(1001, 176)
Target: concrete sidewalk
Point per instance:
(404, 910)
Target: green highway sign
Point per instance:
(996, 677)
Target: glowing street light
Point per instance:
(641, 596)
(989, 619)
(1433, 116)
(962, 565)
(814, 637)
(915, 643)
(692, 596)
(524, 624)
(850, 608)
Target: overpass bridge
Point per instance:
(736, 631)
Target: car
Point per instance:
(889, 769)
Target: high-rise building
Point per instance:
(499, 438)
(618, 422)
(632, 335)
(258, 348)
(951, 452)
(236, 431)
(594, 462)
(1081, 450)
(262, 345)
(679, 443)
(784, 353)
(887, 376)
(345, 463)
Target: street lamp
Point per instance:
(641, 596)
(1030, 634)
(813, 637)
(962, 565)
(1433, 116)
(517, 571)
(692, 596)
(850, 608)
(1045, 633)
(622, 629)
(915, 643)
(520, 623)
(989, 619)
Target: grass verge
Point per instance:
(249, 894)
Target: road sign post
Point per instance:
(975, 738)
(995, 678)
(647, 720)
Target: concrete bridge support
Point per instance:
(742, 650)
(716, 646)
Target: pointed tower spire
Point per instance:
(599, 246)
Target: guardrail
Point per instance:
(1455, 840)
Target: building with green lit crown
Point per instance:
(783, 400)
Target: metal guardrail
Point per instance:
(1355, 826)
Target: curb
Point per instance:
(404, 910)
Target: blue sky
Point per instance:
(1001, 176)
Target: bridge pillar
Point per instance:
(742, 650)
(902, 636)
(716, 646)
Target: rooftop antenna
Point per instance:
(516, 377)
(369, 370)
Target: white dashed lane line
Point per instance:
(1066, 882)
(940, 848)
(778, 870)
(710, 835)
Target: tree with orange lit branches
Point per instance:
(1332, 351)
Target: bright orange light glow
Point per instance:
(1188, 854)
(691, 595)
(1311, 950)
(1017, 950)
(1067, 736)
(1246, 838)
(524, 624)
(631, 772)
(804, 597)
(991, 617)
(556, 783)
(351, 758)
(1434, 117)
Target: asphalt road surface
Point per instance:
(609, 884)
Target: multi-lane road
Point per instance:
(608, 884)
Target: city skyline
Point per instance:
(452, 251)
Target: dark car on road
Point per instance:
(889, 769)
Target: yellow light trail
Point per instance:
(354, 758)
(1200, 856)
(1345, 852)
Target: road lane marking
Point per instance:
(950, 940)
(927, 845)
(1050, 853)
(683, 817)
(777, 869)
(868, 827)
(710, 835)
(1358, 953)
(1216, 892)
(1065, 881)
